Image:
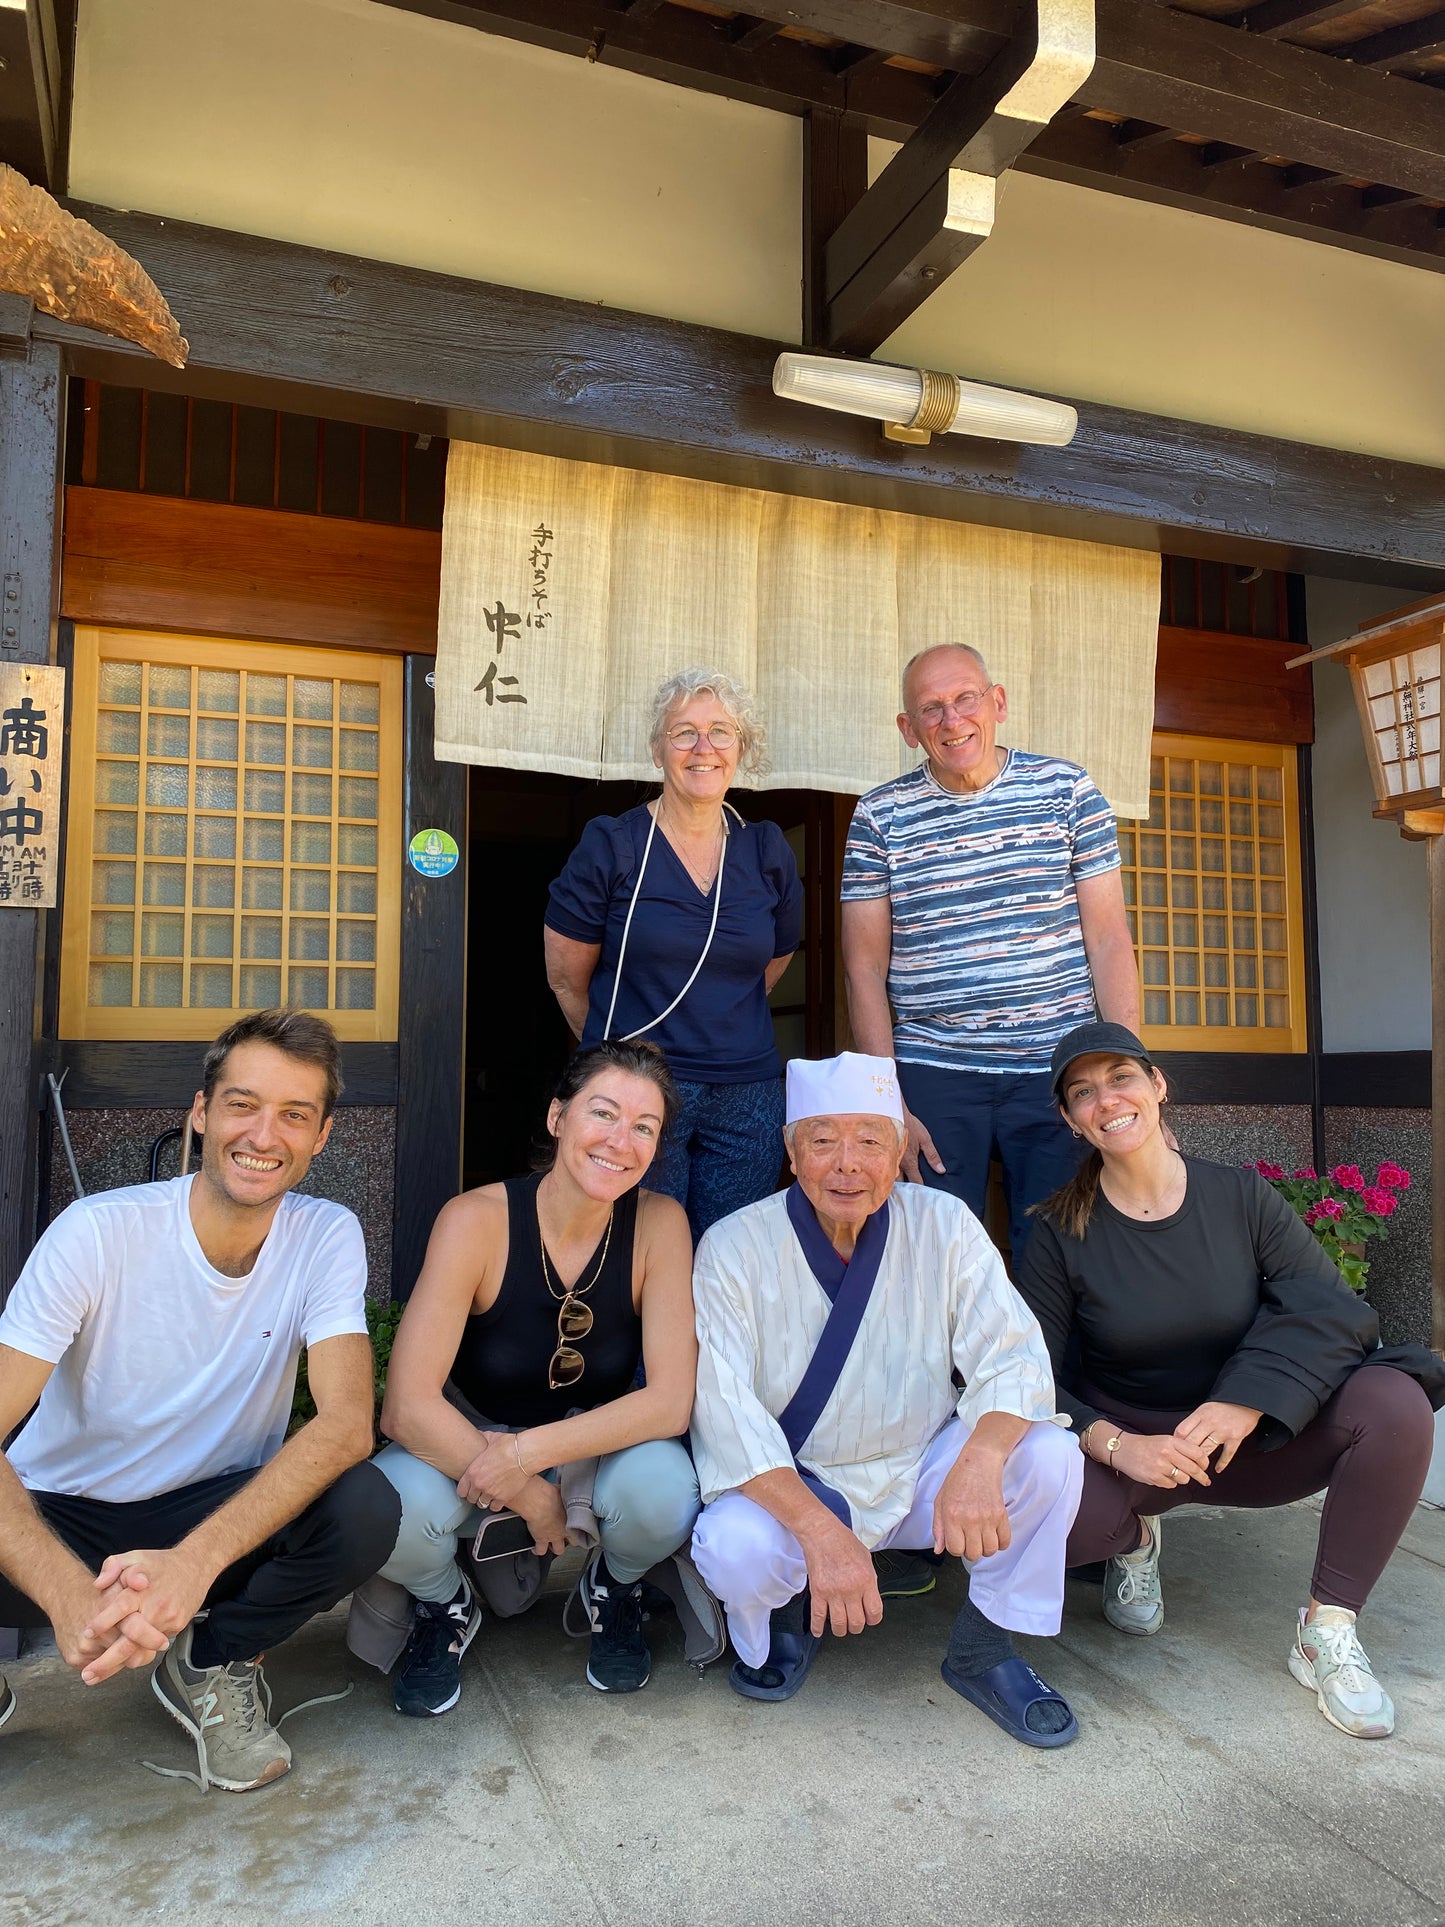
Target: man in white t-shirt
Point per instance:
(152, 1505)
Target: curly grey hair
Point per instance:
(735, 697)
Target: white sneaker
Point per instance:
(1133, 1597)
(1328, 1658)
(7, 1700)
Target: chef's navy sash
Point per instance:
(848, 1286)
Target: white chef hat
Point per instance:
(835, 1086)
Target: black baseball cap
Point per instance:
(1095, 1039)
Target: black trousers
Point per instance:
(312, 1563)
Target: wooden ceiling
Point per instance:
(1319, 118)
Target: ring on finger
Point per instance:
(1174, 1472)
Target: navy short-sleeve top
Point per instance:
(721, 1032)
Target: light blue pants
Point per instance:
(645, 1498)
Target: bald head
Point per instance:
(938, 651)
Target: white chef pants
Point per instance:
(753, 1564)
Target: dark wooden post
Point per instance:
(1436, 858)
(431, 1038)
(835, 179)
(32, 412)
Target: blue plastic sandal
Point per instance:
(792, 1648)
(1006, 1692)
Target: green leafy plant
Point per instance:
(1342, 1210)
(381, 1324)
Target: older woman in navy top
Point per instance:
(702, 913)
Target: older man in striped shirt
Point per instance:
(981, 896)
(832, 1319)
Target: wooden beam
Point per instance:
(431, 1044)
(792, 76)
(34, 84)
(1295, 16)
(835, 178)
(327, 334)
(1411, 40)
(32, 416)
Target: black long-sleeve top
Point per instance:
(1229, 1298)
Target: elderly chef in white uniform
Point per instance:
(832, 1318)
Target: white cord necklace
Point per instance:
(627, 926)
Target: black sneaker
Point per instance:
(429, 1678)
(904, 1575)
(619, 1661)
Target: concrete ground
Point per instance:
(1204, 1788)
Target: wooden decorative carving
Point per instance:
(70, 270)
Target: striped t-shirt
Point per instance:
(988, 969)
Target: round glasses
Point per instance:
(574, 1321)
(967, 704)
(721, 736)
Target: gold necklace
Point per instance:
(572, 1291)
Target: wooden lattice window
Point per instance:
(233, 838)
(1212, 881)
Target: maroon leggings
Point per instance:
(1370, 1445)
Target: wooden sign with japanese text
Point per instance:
(32, 733)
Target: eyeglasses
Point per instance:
(566, 1365)
(721, 736)
(967, 703)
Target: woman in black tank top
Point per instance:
(519, 1353)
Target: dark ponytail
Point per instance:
(1071, 1207)
(634, 1056)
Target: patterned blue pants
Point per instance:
(725, 1149)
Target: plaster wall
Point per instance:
(1373, 889)
(351, 125)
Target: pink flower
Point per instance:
(1271, 1171)
(1394, 1177)
(1348, 1177)
(1305, 1171)
(1326, 1208)
(1379, 1202)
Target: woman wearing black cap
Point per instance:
(1221, 1360)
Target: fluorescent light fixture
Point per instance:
(917, 403)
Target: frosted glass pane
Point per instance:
(310, 937)
(165, 883)
(115, 883)
(216, 740)
(165, 836)
(109, 985)
(311, 697)
(168, 736)
(1216, 969)
(265, 695)
(260, 936)
(260, 987)
(1269, 785)
(310, 889)
(1186, 1007)
(1246, 1012)
(1186, 967)
(161, 934)
(356, 942)
(356, 844)
(117, 782)
(1156, 1007)
(356, 990)
(111, 932)
(120, 683)
(118, 732)
(1274, 974)
(1211, 779)
(215, 789)
(310, 842)
(265, 742)
(261, 889)
(360, 702)
(266, 790)
(215, 836)
(308, 989)
(359, 749)
(264, 839)
(311, 796)
(213, 886)
(1216, 1011)
(210, 986)
(354, 891)
(1382, 712)
(218, 689)
(311, 748)
(168, 783)
(1276, 1013)
(211, 937)
(357, 797)
(170, 686)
